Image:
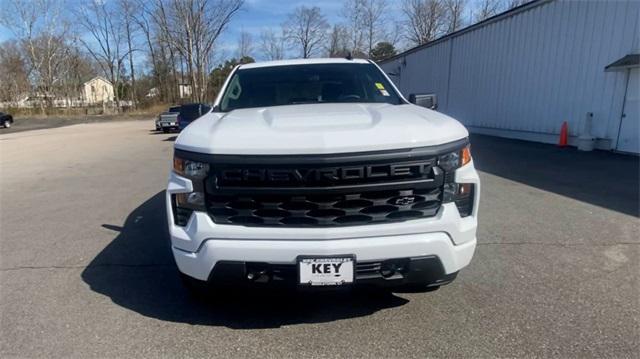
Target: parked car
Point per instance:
(318, 173)
(190, 112)
(6, 120)
(168, 121)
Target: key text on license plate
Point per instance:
(320, 271)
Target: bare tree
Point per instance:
(353, 14)
(374, 21)
(396, 34)
(14, 75)
(164, 57)
(192, 28)
(143, 20)
(41, 29)
(454, 10)
(245, 44)
(129, 8)
(424, 20)
(107, 40)
(487, 9)
(77, 67)
(338, 45)
(271, 45)
(306, 28)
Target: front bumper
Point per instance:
(416, 271)
(224, 261)
(201, 245)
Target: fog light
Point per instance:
(464, 199)
(461, 194)
(184, 204)
(464, 189)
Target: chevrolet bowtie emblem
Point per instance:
(405, 201)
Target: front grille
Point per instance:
(352, 208)
(324, 190)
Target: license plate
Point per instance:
(167, 124)
(325, 271)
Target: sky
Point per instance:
(257, 15)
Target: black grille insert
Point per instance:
(331, 210)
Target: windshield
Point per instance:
(312, 83)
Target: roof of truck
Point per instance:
(303, 62)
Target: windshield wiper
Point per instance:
(303, 101)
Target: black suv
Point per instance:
(6, 120)
(190, 112)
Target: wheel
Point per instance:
(6, 124)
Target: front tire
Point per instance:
(6, 124)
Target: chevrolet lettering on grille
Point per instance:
(330, 175)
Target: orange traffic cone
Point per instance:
(564, 133)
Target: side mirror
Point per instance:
(429, 101)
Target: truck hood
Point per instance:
(319, 129)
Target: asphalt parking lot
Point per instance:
(86, 270)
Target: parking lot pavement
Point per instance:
(29, 123)
(86, 271)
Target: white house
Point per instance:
(184, 90)
(98, 90)
(153, 92)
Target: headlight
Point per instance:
(461, 194)
(185, 203)
(455, 159)
(191, 169)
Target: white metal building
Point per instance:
(522, 73)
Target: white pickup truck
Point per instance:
(317, 173)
